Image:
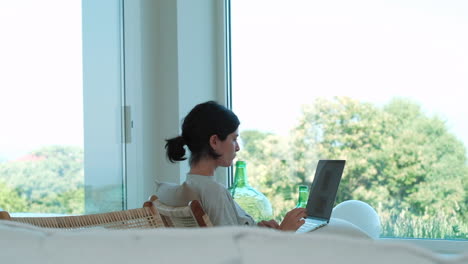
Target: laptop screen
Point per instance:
(324, 188)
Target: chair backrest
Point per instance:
(146, 217)
(191, 215)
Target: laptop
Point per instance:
(322, 194)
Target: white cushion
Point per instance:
(342, 227)
(22, 243)
(276, 247)
(161, 245)
(146, 246)
(361, 215)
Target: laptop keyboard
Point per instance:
(310, 225)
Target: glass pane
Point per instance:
(381, 84)
(102, 92)
(42, 137)
(41, 167)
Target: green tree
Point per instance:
(398, 159)
(48, 179)
(269, 169)
(397, 156)
(401, 161)
(10, 200)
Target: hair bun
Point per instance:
(175, 149)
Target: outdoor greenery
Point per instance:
(49, 180)
(408, 166)
(405, 164)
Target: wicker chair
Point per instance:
(191, 215)
(146, 217)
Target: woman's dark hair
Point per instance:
(205, 119)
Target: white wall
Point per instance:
(174, 59)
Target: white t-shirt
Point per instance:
(218, 202)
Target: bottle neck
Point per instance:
(240, 179)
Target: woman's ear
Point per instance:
(214, 141)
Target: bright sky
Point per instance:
(285, 53)
(41, 75)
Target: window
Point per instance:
(381, 84)
(51, 154)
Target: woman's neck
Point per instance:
(205, 167)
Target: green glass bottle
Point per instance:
(303, 196)
(251, 200)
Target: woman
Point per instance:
(210, 132)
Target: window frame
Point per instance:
(103, 77)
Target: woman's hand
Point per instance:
(270, 224)
(293, 219)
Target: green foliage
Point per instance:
(398, 160)
(50, 180)
(269, 170)
(10, 199)
(403, 223)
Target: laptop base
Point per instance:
(310, 225)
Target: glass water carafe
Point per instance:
(251, 200)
